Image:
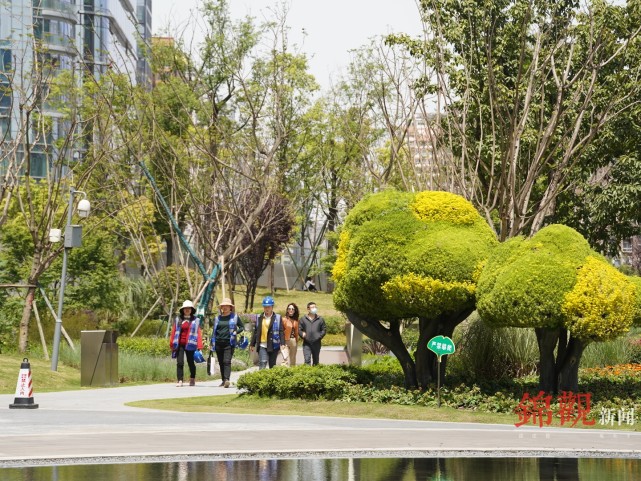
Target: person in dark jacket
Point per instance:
(312, 329)
(186, 336)
(224, 338)
(268, 335)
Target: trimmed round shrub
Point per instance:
(555, 280)
(404, 255)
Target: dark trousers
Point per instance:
(311, 352)
(224, 353)
(266, 358)
(180, 363)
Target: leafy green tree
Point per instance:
(602, 205)
(522, 90)
(29, 258)
(403, 256)
(555, 283)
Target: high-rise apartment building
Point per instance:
(144, 45)
(41, 38)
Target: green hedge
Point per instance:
(302, 382)
(151, 346)
(334, 324)
(382, 382)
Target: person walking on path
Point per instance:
(268, 335)
(290, 328)
(186, 336)
(312, 330)
(224, 338)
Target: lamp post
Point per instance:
(72, 238)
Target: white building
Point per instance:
(63, 36)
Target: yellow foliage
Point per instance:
(340, 266)
(430, 206)
(419, 292)
(637, 305)
(478, 270)
(601, 304)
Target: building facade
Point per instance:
(40, 39)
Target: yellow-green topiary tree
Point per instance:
(556, 284)
(410, 255)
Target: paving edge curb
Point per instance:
(366, 453)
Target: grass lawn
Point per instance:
(237, 404)
(323, 300)
(44, 379)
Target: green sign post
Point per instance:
(441, 346)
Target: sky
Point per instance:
(332, 27)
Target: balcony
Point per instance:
(56, 8)
(56, 42)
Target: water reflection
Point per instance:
(359, 469)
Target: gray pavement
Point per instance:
(95, 426)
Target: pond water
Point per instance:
(345, 469)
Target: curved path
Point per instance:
(95, 426)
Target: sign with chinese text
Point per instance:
(441, 346)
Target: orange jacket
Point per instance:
(288, 325)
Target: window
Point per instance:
(626, 246)
(5, 132)
(5, 59)
(38, 164)
(5, 95)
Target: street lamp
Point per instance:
(73, 238)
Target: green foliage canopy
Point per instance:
(554, 280)
(405, 255)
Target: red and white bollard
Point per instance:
(24, 389)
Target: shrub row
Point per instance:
(151, 346)
(382, 381)
(302, 382)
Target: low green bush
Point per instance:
(381, 381)
(151, 346)
(327, 382)
(8, 324)
(635, 351)
(410, 336)
(608, 353)
(491, 353)
(384, 371)
(334, 324)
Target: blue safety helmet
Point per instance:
(243, 342)
(198, 356)
(268, 301)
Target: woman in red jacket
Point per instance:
(186, 337)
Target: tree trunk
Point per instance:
(24, 322)
(547, 340)
(169, 256)
(424, 357)
(390, 338)
(569, 366)
(271, 277)
(426, 360)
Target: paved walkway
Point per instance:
(94, 425)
